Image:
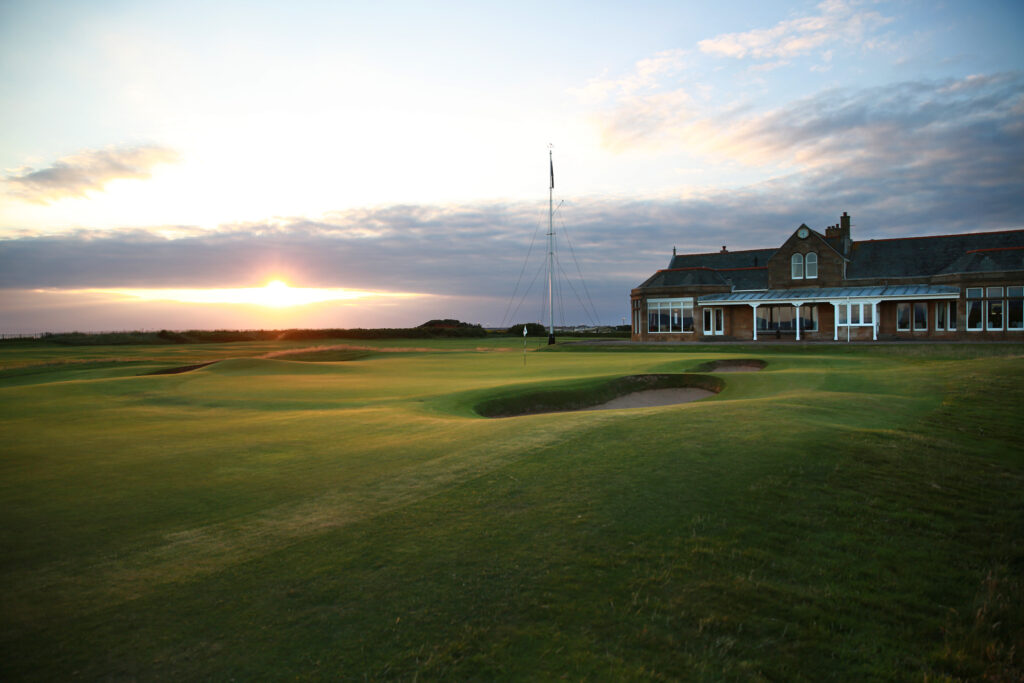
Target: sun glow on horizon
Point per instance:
(275, 294)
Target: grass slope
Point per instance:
(847, 513)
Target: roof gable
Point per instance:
(813, 241)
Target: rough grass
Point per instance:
(846, 514)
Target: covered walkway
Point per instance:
(853, 306)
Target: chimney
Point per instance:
(846, 242)
(724, 250)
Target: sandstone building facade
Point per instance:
(829, 287)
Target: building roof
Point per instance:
(887, 292)
(735, 278)
(937, 255)
(979, 252)
(736, 269)
(751, 258)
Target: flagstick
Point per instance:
(524, 346)
(551, 251)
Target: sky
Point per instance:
(386, 163)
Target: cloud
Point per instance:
(835, 22)
(911, 158)
(964, 130)
(469, 257)
(647, 76)
(87, 171)
(937, 126)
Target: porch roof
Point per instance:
(877, 293)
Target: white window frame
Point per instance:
(863, 310)
(714, 321)
(810, 264)
(916, 306)
(979, 299)
(1016, 295)
(910, 315)
(796, 266)
(946, 320)
(996, 298)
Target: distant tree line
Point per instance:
(431, 329)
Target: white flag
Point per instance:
(524, 330)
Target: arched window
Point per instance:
(811, 265)
(798, 266)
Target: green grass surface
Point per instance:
(847, 513)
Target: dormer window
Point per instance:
(797, 263)
(804, 266)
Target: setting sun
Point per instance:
(278, 294)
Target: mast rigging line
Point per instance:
(554, 268)
(529, 289)
(506, 319)
(592, 313)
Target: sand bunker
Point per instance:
(653, 398)
(631, 391)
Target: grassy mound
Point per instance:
(531, 400)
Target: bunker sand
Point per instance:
(653, 398)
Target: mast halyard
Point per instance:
(551, 251)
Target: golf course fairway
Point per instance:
(306, 513)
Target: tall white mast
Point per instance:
(551, 250)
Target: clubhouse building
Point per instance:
(827, 287)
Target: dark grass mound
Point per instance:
(178, 370)
(731, 365)
(580, 395)
(325, 355)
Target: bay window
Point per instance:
(665, 316)
(856, 314)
